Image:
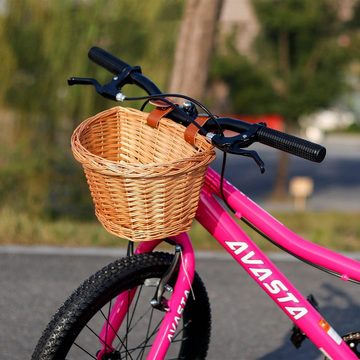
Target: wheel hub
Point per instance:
(114, 355)
(353, 340)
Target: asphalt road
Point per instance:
(246, 324)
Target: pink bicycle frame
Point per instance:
(227, 232)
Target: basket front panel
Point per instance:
(101, 138)
(109, 197)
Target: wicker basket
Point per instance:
(145, 182)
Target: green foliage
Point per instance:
(295, 16)
(339, 231)
(300, 57)
(8, 61)
(42, 44)
(250, 90)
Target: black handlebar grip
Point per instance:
(291, 144)
(107, 60)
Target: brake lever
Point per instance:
(83, 81)
(112, 89)
(236, 144)
(109, 90)
(252, 154)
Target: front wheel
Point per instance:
(73, 333)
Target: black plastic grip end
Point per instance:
(291, 144)
(107, 60)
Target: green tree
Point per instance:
(42, 44)
(299, 67)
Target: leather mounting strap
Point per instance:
(157, 114)
(192, 130)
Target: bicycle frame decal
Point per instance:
(177, 317)
(274, 286)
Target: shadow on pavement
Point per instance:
(341, 312)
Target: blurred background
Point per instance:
(294, 64)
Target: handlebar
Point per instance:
(249, 133)
(128, 74)
(108, 61)
(275, 139)
(291, 144)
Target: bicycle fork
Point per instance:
(174, 307)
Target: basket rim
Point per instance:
(110, 167)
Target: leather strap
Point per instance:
(157, 114)
(159, 103)
(192, 130)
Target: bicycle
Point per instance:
(104, 306)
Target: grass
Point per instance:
(340, 231)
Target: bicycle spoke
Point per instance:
(96, 335)
(139, 319)
(144, 345)
(127, 322)
(115, 332)
(147, 334)
(134, 325)
(151, 335)
(109, 347)
(135, 305)
(121, 344)
(181, 331)
(144, 342)
(85, 351)
(121, 341)
(138, 347)
(180, 340)
(107, 320)
(148, 346)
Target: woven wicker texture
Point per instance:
(145, 182)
